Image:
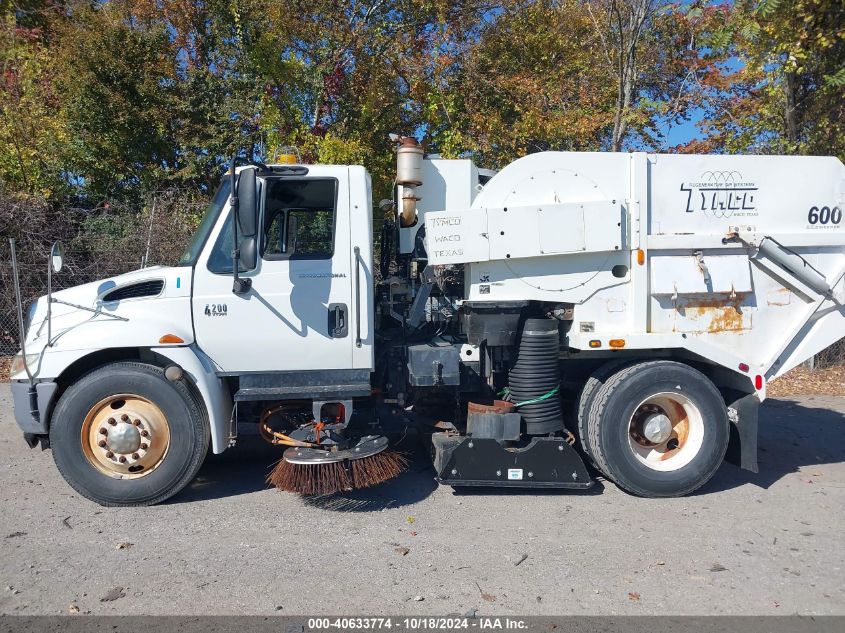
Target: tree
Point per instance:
(570, 75)
(782, 79)
(31, 133)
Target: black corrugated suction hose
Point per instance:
(537, 372)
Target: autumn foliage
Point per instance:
(111, 100)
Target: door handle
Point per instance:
(357, 297)
(338, 322)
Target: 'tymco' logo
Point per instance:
(721, 194)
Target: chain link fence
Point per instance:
(98, 243)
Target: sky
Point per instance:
(683, 132)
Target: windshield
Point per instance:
(189, 257)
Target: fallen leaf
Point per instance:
(418, 598)
(660, 562)
(16, 534)
(520, 561)
(829, 381)
(485, 596)
(66, 522)
(633, 595)
(125, 545)
(401, 550)
(113, 594)
(718, 567)
(411, 519)
(413, 533)
(72, 608)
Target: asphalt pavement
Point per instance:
(768, 543)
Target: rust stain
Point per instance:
(716, 315)
(779, 297)
(680, 427)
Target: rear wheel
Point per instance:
(125, 435)
(657, 429)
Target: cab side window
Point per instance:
(299, 218)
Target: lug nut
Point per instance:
(109, 454)
(122, 459)
(112, 421)
(136, 422)
(104, 432)
(103, 444)
(124, 418)
(144, 433)
(144, 447)
(135, 456)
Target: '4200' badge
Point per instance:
(216, 309)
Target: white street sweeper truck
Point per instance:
(626, 308)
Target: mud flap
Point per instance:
(743, 414)
(546, 462)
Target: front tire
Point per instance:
(124, 435)
(657, 429)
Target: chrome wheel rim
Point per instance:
(125, 436)
(666, 431)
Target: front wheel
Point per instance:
(658, 429)
(124, 435)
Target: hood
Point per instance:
(83, 314)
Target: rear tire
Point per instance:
(657, 429)
(587, 397)
(124, 435)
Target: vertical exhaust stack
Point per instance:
(409, 157)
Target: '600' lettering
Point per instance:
(825, 215)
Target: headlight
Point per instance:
(17, 363)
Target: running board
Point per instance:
(547, 462)
(325, 385)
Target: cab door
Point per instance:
(297, 314)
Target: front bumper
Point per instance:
(33, 405)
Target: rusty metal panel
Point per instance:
(712, 314)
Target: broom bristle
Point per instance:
(310, 479)
(330, 478)
(377, 468)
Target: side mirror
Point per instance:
(290, 242)
(247, 203)
(57, 257)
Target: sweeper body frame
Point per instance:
(627, 307)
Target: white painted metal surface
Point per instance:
(703, 286)
(447, 184)
(496, 233)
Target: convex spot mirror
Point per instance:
(249, 253)
(248, 203)
(57, 257)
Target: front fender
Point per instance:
(214, 391)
